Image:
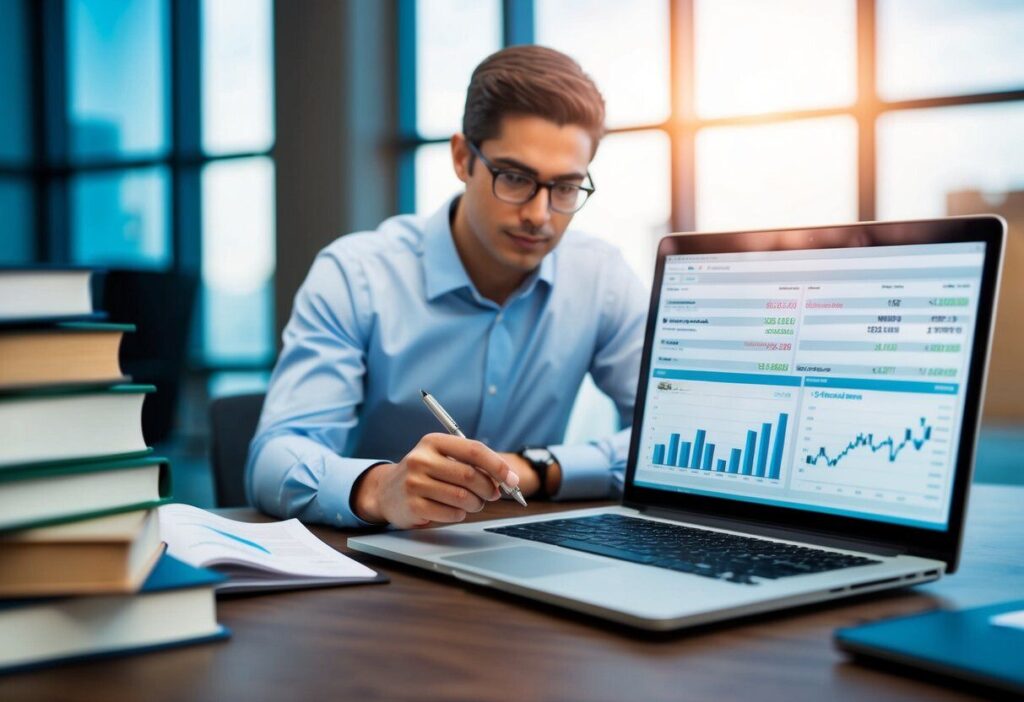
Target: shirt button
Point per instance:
(492, 390)
(499, 317)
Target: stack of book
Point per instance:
(83, 570)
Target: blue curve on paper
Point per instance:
(247, 542)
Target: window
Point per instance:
(238, 260)
(17, 136)
(778, 174)
(755, 57)
(143, 141)
(774, 123)
(634, 79)
(118, 67)
(446, 58)
(731, 114)
(120, 218)
(930, 48)
(18, 205)
(982, 157)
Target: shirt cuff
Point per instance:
(335, 490)
(294, 476)
(585, 472)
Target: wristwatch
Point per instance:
(540, 459)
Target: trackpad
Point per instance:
(526, 561)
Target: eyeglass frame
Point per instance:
(495, 171)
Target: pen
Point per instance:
(452, 428)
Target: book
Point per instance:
(981, 645)
(268, 556)
(64, 422)
(61, 353)
(34, 293)
(42, 495)
(101, 555)
(175, 606)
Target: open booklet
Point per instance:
(269, 556)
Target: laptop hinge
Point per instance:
(774, 531)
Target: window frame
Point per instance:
(683, 124)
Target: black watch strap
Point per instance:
(541, 460)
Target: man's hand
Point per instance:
(441, 480)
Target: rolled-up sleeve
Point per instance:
(295, 466)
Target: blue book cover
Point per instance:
(172, 574)
(960, 644)
(168, 574)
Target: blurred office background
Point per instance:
(204, 150)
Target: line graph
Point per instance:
(868, 440)
(884, 447)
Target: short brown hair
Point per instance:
(531, 80)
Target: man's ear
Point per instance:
(461, 156)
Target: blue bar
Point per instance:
(734, 461)
(888, 385)
(720, 465)
(659, 454)
(762, 449)
(719, 377)
(684, 454)
(780, 438)
(673, 449)
(709, 456)
(748, 453)
(698, 449)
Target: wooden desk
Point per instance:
(426, 638)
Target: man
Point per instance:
(490, 305)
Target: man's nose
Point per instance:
(535, 211)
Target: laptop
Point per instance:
(805, 427)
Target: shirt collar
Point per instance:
(442, 268)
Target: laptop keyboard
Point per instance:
(713, 554)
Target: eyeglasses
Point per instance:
(517, 188)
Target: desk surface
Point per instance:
(424, 637)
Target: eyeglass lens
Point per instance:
(518, 188)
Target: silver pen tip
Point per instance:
(517, 495)
(423, 393)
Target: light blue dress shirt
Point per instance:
(385, 313)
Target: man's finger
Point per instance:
(475, 454)
(454, 495)
(436, 512)
(463, 475)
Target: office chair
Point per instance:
(233, 423)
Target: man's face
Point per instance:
(507, 239)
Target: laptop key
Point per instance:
(604, 550)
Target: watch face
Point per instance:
(538, 455)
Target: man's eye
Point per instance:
(566, 189)
(516, 180)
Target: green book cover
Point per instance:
(77, 389)
(64, 468)
(43, 465)
(71, 326)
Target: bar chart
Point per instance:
(760, 456)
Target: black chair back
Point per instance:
(233, 423)
(160, 305)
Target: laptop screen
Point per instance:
(828, 380)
